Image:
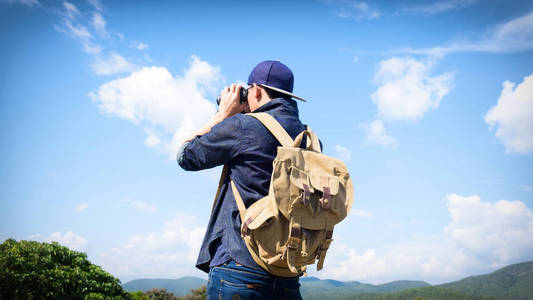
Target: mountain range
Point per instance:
(511, 282)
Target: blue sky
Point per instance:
(429, 103)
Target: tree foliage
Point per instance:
(34, 270)
(511, 282)
(196, 294)
(425, 293)
(163, 294)
(160, 294)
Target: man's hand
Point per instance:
(230, 102)
(229, 105)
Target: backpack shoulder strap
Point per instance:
(237, 196)
(315, 143)
(220, 182)
(238, 199)
(275, 128)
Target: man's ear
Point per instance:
(257, 93)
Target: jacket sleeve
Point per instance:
(220, 145)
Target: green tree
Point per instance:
(160, 294)
(163, 294)
(34, 270)
(196, 294)
(138, 295)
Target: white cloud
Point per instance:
(82, 207)
(153, 98)
(480, 238)
(515, 35)
(25, 2)
(75, 23)
(139, 46)
(140, 205)
(81, 33)
(424, 259)
(78, 31)
(357, 10)
(343, 153)
(439, 6)
(96, 4)
(112, 65)
(513, 116)
(499, 232)
(168, 253)
(71, 10)
(152, 139)
(376, 134)
(69, 239)
(99, 23)
(406, 91)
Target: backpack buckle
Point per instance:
(325, 202)
(306, 195)
(295, 237)
(245, 231)
(296, 231)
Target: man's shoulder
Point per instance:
(240, 125)
(234, 122)
(290, 123)
(287, 122)
(246, 120)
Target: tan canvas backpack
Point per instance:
(292, 226)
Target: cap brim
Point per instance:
(283, 92)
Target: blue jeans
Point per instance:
(233, 281)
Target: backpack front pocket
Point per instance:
(266, 230)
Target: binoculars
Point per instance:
(243, 96)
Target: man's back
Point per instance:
(247, 149)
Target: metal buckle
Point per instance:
(306, 195)
(325, 202)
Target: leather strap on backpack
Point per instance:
(315, 143)
(324, 248)
(283, 137)
(220, 182)
(275, 128)
(293, 243)
(312, 143)
(238, 199)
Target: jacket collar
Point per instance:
(280, 105)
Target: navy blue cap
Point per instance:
(273, 75)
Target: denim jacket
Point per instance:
(248, 148)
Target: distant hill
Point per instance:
(314, 286)
(514, 282)
(425, 293)
(180, 287)
(511, 282)
(310, 285)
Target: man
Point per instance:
(248, 149)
